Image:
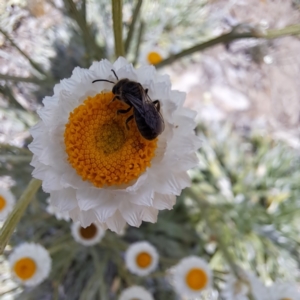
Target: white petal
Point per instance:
(143, 197)
(177, 97)
(146, 75)
(71, 179)
(38, 129)
(51, 180)
(131, 213)
(149, 214)
(102, 68)
(173, 183)
(64, 200)
(116, 222)
(164, 201)
(184, 163)
(119, 63)
(86, 217)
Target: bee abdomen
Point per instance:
(145, 130)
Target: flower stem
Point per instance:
(139, 41)
(93, 51)
(18, 211)
(33, 63)
(118, 28)
(132, 25)
(240, 31)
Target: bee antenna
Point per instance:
(103, 80)
(115, 74)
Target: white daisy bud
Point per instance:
(191, 276)
(135, 292)
(141, 258)
(88, 236)
(30, 264)
(7, 202)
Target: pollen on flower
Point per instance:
(196, 279)
(154, 58)
(100, 147)
(2, 202)
(143, 260)
(88, 232)
(25, 268)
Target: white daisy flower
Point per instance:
(88, 236)
(284, 291)
(60, 215)
(141, 258)
(152, 55)
(30, 264)
(95, 167)
(7, 202)
(191, 276)
(135, 292)
(241, 288)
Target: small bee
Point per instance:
(146, 112)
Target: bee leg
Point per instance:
(157, 105)
(124, 111)
(114, 98)
(128, 120)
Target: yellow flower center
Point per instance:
(88, 232)
(100, 147)
(154, 58)
(286, 299)
(2, 203)
(196, 279)
(143, 260)
(25, 268)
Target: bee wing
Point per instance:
(147, 110)
(152, 116)
(136, 102)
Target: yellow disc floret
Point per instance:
(154, 58)
(25, 268)
(196, 279)
(2, 202)
(100, 147)
(143, 260)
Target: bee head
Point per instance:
(117, 89)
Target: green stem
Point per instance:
(139, 41)
(16, 158)
(276, 33)
(18, 211)
(33, 64)
(26, 79)
(238, 32)
(131, 28)
(13, 149)
(93, 51)
(118, 27)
